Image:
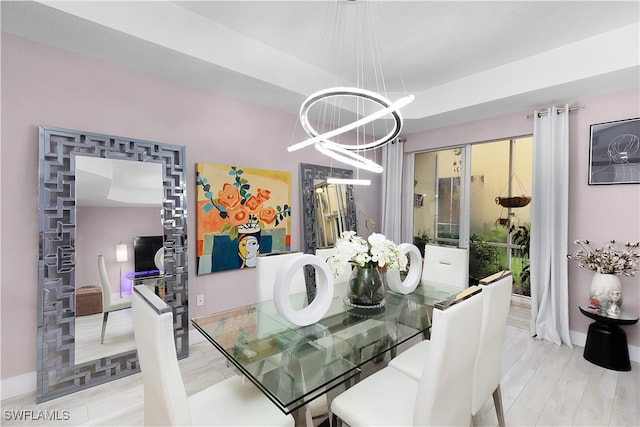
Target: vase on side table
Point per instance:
(366, 287)
(606, 288)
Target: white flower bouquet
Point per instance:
(377, 251)
(608, 259)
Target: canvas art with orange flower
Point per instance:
(241, 212)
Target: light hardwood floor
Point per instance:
(542, 385)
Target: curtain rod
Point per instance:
(544, 113)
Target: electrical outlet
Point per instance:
(199, 300)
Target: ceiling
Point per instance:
(463, 60)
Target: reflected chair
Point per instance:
(229, 402)
(442, 395)
(445, 265)
(108, 304)
(488, 361)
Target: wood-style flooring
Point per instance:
(542, 385)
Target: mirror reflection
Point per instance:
(330, 203)
(119, 243)
(312, 176)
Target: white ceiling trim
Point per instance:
(171, 26)
(581, 60)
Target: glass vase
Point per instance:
(366, 287)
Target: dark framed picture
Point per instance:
(614, 152)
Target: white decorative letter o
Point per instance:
(410, 283)
(324, 291)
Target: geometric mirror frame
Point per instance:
(57, 373)
(309, 175)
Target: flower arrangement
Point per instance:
(239, 207)
(377, 251)
(608, 259)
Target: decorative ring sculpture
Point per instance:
(410, 283)
(324, 291)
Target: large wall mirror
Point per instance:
(313, 178)
(108, 196)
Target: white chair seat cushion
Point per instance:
(232, 403)
(411, 361)
(387, 388)
(119, 304)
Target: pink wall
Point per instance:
(47, 86)
(596, 212)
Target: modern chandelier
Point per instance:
(366, 104)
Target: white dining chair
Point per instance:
(267, 267)
(488, 361)
(442, 395)
(445, 265)
(109, 304)
(229, 402)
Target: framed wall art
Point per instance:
(614, 156)
(240, 213)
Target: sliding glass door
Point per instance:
(494, 181)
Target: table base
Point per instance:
(606, 346)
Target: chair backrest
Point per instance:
(165, 398)
(325, 254)
(495, 310)
(444, 392)
(105, 284)
(447, 265)
(267, 267)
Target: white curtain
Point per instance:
(392, 155)
(549, 226)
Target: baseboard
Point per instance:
(580, 339)
(18, 385)
(195, 337)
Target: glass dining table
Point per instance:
(293, 365)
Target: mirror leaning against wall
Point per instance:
(89, 207)
(324, 217)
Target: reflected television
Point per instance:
(144, 253)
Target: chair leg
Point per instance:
(497, 402)
(104, 326)
(333, 420)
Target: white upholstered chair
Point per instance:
(442, 396)
(488, 361)
(445, 265)
(267, 267)
(229, 402)
(108, 304)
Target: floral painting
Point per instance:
(241, 212)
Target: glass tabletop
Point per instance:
(293, 365)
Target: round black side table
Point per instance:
(606, 341)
